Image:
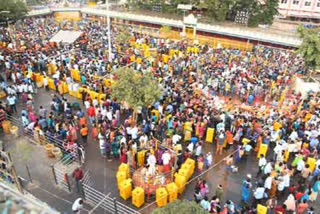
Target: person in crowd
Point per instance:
(84, 134)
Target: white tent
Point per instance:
(66, 36)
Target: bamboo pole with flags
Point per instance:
(299, 107)
(109, 32)
(282, 96)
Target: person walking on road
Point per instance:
(77, 175)
(84, 134)
(12, 100)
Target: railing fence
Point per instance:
(102, 201)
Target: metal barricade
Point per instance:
(102, 201)
(43, 139)
(62, 171)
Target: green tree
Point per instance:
(144, 4)
(309, 48)
(260, 12)
(186, 207)
(269, 11)
(123, 36)
(134, 88)
(218, 9)
(16, 9)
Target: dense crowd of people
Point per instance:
(245, 96)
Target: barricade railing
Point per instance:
(87, 178)
(42, 139)
(123, 209)
(176, 35)
(95, 197)
(100, 200)
(61, 172)
(16, 122)
(61, 178)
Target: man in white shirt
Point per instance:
(268, 182)
(286, 180)
(151, 162)
(166, 160)
(77, 205)
(68, 80)
(87, 104)
(8, 65)
(20, 89)
(258, 194)
(25, 88)
(160, 109)
(262, 164)
(268, 168)
(143, 140)
(198, 150)
(95, 102)
(45, 83)
(123, 140)
(190, 147)
(274, 136)
(102, 143)
(294, 135)
(30, 89)
(280, 186)
(277, 149)
(175, 139)
(12, 102)
(104, 112)
(300, 165)
(109, 115)
(134, 133)
(11, 91)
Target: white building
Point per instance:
(300, 8)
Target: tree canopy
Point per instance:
(123, 36)
(178, 206)
(135, 88)
(16, 9)
(310, 47)
(217, 9)
(260, 12)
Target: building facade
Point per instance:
(302, 9)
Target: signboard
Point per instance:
(157, 8)
(74, 15)
(184, 6)
(242, 17)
